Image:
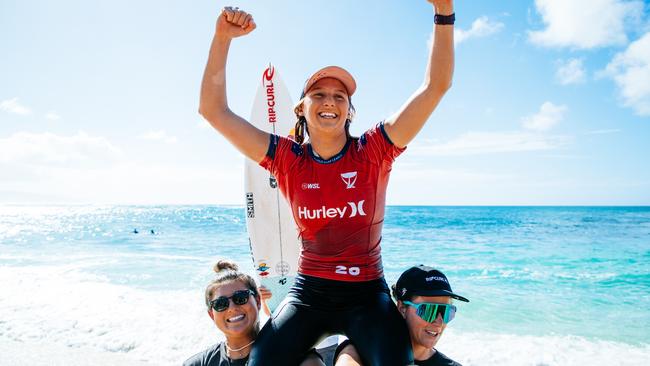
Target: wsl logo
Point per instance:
(349, 179)
(267, 81)
(306, 186)
(356, 208)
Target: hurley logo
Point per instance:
(349, 179)
(329, 213)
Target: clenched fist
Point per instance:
(234, 23)
(444, 7)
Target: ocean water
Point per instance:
(548, 285)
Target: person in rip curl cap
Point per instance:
(424, 298)
(340, 286)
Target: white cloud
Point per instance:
(481, 27)
(47, 148)
(531, 138)
(495, 185)
(476, 143)
(422, 185)
(548, 116)
(630, 70)
(52, 116)
(570, 71)
(584, 23)
(80, 168)
(160, 136)
(12, 106)
(123, 182)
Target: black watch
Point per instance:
(444, 19)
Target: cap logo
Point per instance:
(403, 291)
(437, 278)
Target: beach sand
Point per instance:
(28, 354)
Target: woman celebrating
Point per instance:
(233, 302)
(336, 187)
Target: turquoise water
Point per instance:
(543, 272)
(538, 271)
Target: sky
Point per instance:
(550, 103)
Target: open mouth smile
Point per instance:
(432, 333)
(327, 115)
(236, 318)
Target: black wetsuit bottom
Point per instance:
(317, 308)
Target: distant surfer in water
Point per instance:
(336, 187)
(424, 298)
(233, 302)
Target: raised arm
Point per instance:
(408, 121)
(248, 139)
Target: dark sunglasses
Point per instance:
(429, 311)
(240, 297)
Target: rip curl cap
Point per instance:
(334, 72)
(424, 281)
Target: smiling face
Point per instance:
(238, 320)
(326, 106)
(424, 335)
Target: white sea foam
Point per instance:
(62, 308)
(32, 353)
(57, 306)
(507, 349)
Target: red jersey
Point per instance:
(338, 203)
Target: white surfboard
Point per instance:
(272, 232)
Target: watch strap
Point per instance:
(444, 19)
